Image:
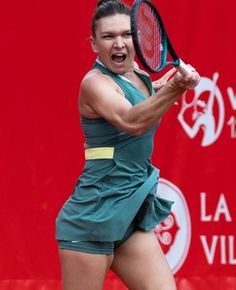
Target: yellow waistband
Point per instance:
(99, 153)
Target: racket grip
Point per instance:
(183, 68)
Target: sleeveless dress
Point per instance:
(118, 183)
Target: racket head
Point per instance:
(150, 40)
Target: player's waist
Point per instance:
(128, 152)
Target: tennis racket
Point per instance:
(151, 43)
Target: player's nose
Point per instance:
(119, 42)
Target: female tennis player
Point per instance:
(106, 224)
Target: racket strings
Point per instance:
(150, 36)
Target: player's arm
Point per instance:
(102, 98)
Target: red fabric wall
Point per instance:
(44, 53)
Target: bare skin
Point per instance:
(141, 264)
(139, 261)
(82, 271)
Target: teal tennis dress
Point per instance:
(118, 183)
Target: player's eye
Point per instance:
(128, 35)
(107, 36)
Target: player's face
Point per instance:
(113, 43)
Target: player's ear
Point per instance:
(93, 44)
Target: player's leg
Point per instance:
(141, 264)
(82, 271)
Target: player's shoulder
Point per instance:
(95, 84)
(94, 77)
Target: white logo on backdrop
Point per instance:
(174, 233)
(205, 111)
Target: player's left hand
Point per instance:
(163, 80)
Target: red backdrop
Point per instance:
(44, 53)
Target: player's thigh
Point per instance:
(141, 264)
(82, 271)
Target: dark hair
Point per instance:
(107, 8)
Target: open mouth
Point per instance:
(119, 57)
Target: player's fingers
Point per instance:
(189, 82)
(191, 68)
(160, 82)
(194, 80)
(169, 74)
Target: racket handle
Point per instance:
(183, 68)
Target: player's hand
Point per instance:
(163, 80)
(189, 81)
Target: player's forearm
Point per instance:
(144, 115)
